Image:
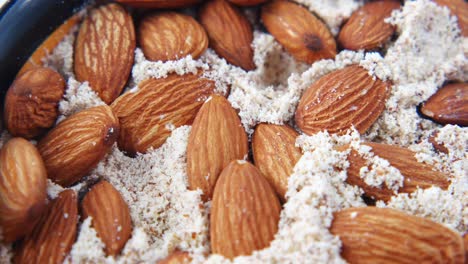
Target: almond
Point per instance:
(417, 174)
(381, 235)
(247, 2)
(342, 99)
(76, 145)
(177, 257)
(449, 105)
(22, 188)
(298, 31)
(31, 103)
(244, 213)
(148, 115)
(366, 29)
(171, 36)
(159, 3)
(110, 216)
(459, 8)
(104, 50)
(229, 32)
(53, 237)
(275, 154)
(217, 137)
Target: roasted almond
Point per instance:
(110, 216)
(229, 32)
(416, 174)
(177, 257)
(104, 50)
(247, 2)
(217, 137)
(22, 188)
(342, 99)
(366, 28)
(298, 31)
(449, 105)
(244, 213)
(170, 36)
(275, 154)
(53, 237)
(148, 115)
(31, 103)
(76, 145)
(459, 8)
(159, 3)
(381, 235)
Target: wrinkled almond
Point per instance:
(159, 3)
(247, 2)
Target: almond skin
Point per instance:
(76, 145)
(247, 2)
(275, 154)
(302, 34)
(366, 28)
(229, 32)
(146, 116)
(217, 137)
(416, 174)
(382, 235)
(159, 3)
(110, 216)
(458, 8)
(104, 50)
(449, 105)
(177, 257)
(31, 103)
(171, 36)
(22, 188)
(342, 99)
(53, 237)
(244, 213)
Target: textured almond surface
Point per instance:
(366, 28)
(299, 31)
(22, 188)
(148, 115)
(76, 145)
(244, 213)
(342, 99)
(31, 103)
(111, 216)
(416, 174)
(449, 105)
(170, 36)
(275, 154)
(217, 137)
(229, 32)
(381, 235)
(178, 257)
(247, 2)
(458, 8)
(104, 50)
(53, 237)
(159, 3)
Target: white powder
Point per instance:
(60, 59)
(88, 247)
(6, 253)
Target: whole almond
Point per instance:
(342, 99)
(459, 8)
(229, 32)
(417, 174)
(110, 216)
(104, 50)
(148, 115)
(76, 145)
(22, 188)
(177, 257)
(247, 2)
(53, 237)
(31, 103)
(298, 31)
(449, 105)
(275, 154)
(381, 235)
(217, 137)
(159, 3)
(244, 213)
(171, 36)
(366, 28)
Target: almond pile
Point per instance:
(244, 178)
